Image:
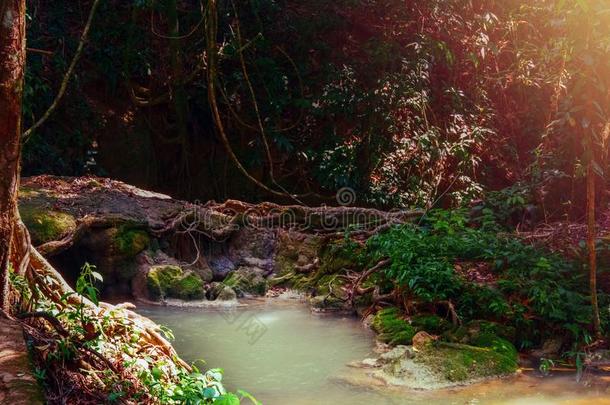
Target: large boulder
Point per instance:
(170, 281)
(251, 243)
(221, 266)
(226, 294)
(447, 364)
(46, 225)
(435, 365)
(248, 281)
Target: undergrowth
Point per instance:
(505, 280)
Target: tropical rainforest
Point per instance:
(348, 201)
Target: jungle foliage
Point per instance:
(408, 103)
(443, 265)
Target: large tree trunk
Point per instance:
(12, 64)
(591, 235)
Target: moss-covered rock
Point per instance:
(160, 279)
(226, 294)
(247, 280)
(330, 284)
(495, 343)
(128, 241)
(430, 323)
(485, 334)
(173, 282)
(46, 226)
(392, 328)
(459, 363)
(437, 365)
(188, 287)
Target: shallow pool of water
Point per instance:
(283, 354)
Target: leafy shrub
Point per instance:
(536, 292)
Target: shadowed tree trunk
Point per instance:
(591, 248)
(12, 63)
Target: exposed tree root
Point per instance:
(68, 379)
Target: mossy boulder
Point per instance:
(247, 280)
(128, 241)
(495, 343)
(459, 363)
(173, 282)
(189, 286)
(226, 294)
(46, 225)
(430, 323)
(485, 334)
(392, 328)
(437, 365)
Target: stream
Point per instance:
(282, 354)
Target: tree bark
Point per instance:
(591, 247)
(12, 64)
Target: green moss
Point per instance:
(46, 226)
(471, 331)
(495, 343)
(285, 265)
(247, 280)
(430, 323)
(486, 335)
(171, 281)
(335, 258)
(28, 192)
(392, 328)
(129, 241)
(458, 362)
(330, 284)
(189, 287)
(160, 278)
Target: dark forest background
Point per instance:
(407, 102)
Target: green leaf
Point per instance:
(227, 399)
(209, 392)
(156, 373)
